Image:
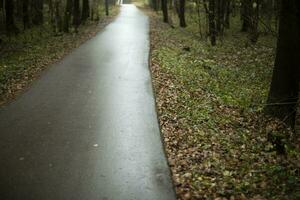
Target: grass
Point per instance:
(24, 56)
(210, 100)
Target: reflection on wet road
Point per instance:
(87, 129)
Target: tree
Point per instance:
(37, 12)
(26, 22)
(283, 94)
(10, 21)
(297, 121)
(154, 4)
(58, 18)
(227, 14)
(67, 16)
(181, 13)
(106, 7)
(85, 10)
(245, 14)
(76, 14)
(220, 16)
(254, 17)
(164, 7)
(212, 23)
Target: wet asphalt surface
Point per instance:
(87, 129)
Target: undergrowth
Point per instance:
(210, 100)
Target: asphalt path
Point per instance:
(87, 128)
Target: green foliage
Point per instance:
(209, 100)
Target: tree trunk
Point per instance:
(284, 88)
(254, 21)
(106, 7)
(199, 17)
(212, 23)
(58, 18)
(164, 7)
(154, 5)
(10, 21)
(76, 15)
(246, 14)
(85, 10)
(181, 13)
(227, 14)
(37, 9)
(67, 16)
(26, 22)
(297, 121)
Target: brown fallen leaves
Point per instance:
(216, 150)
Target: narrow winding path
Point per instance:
(87, 129)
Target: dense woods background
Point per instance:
(62, 15)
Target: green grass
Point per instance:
(210, 102)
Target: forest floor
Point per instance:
(210, 101)
(24, 56)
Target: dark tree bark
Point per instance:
(67, 16)
(227, 14)
(26, 22)
(219, 15)
(1, 4)
(58, 18)
(85, 10)
(51, 14)
(297, 121)
(2, 24)
(76, 15)
(246, 14)
(212, 23)
(254, 17)
(154, 5)
(106, 7)
(284, 88)
(181, 13)
(19, 9)
(164, 7)
(37, 12)
(10, 21)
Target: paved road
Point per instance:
(87, 129)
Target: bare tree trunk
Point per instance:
(106, 7)
(199, 18)
(297, 121)
(181, 13)
(85, 10)
(37, 9)
(284, 88)
(164, 7)
(246, 14)
(58, 18)
(76, 15)
(254, 21)
(10, 21)
(212, 23)
(67, 16)
(26, 22)
(227, 14)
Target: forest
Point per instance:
(226, 85)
